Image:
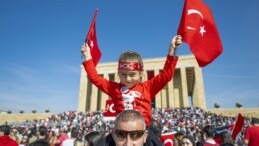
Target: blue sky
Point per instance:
(40, 44)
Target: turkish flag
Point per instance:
(234, 129)
(91, 40)
(109, 109)
(167, 139)
(198, 29)
(238, 126)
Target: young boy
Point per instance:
(130, 93)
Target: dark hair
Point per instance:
(179, 135)
(255, 121)
(227, 144)
(94, 138)
(226, 137)
(44, 132)
(5, 129)
(209, 130)
(33, 131)
(156, 127)
(101, 127)
(39, 142)
(74, 132)
(129, 115)
(190, 138)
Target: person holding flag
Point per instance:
(130, 93)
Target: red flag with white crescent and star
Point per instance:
(91, 40)
(199, 30)
(109, 109)
(167, 139)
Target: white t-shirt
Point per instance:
(68, 142)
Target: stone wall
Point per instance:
(13, 118)
(246, 112)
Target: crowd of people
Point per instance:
(87, 128)
(136, 123)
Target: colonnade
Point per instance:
(186, 89)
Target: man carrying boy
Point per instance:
(130, 93)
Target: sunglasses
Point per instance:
(134, 135)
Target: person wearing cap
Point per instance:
(251, 137)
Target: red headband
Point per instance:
(130, 66)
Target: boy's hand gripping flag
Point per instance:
(199, 30)
(91, 40)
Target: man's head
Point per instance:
(74, 132)
(178, 138)
(130, 68)
(156, 127)
(43, 132)
(14, 131)
(129, 129)
(187, 140)
(209, 131)
(4, 130)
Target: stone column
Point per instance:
(198, 93)
(158, 95)
(164, 97)
(170, 89)
(104, 96)
(184, 87)
(94, 96)
(82, 90)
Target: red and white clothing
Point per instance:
(252, 135)
(140, 96)
(5, 140)
(62, 138)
